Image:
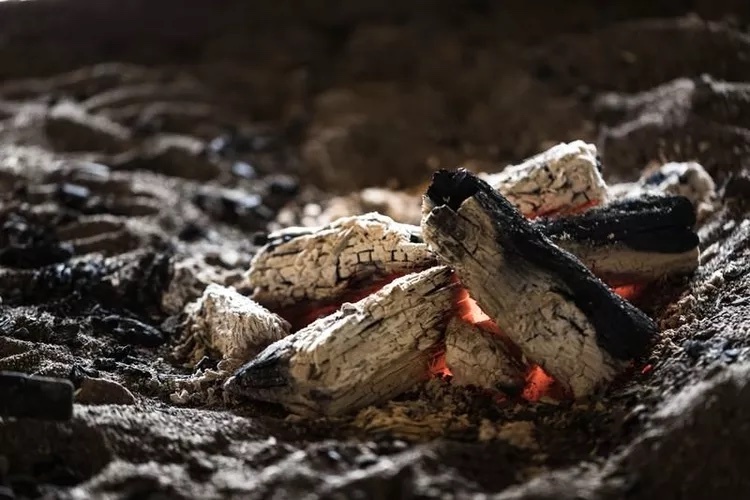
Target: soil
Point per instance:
(145, 150)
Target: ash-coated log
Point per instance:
(227, 325)
(558, 313)
(320, 264)
(631, 240)
(565, 178)
(365, 353)
(481, 358)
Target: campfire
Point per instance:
(518, 283)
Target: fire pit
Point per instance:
(299, 258)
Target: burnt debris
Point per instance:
(23, 396)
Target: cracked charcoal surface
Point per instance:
(127, 187)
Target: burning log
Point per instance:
(632, 240)
(548, 303)
(228, 325)
(318, 264)
(622, 242)
(564, 178)
(481, 358)
(367, 352)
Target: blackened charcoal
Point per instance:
(24, 396)
(662, 224)
(26, 245)
(129, 331)
(283, 185)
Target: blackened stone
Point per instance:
(23, 396)
(283, 185)
(26, 245)
(129, 331)
(191, 232)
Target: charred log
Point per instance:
(562, 179)
(228, 325)
(632, 240)
(366, 353)
(318, 264)
(558, 313)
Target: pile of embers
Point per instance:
(516, 282)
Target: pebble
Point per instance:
(244, 170)
(100, 391)
(24, 396)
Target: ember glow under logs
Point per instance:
(505, 287)
(549, 304)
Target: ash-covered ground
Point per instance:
(137, 154)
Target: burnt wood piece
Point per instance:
(630, 241)
(228, 325)
(23, 396)
(365, 353)
(558, 313)
(564, 178)
(319, 264)
(481, 358)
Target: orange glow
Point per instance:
(538, 384)
(629, 292)
(299, 316)
(570, 211)
(438, 367)
(469, 309)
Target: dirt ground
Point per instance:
(146, 147)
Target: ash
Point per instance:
(126, 188)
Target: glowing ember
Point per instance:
(538, 384)
(438, 367)
(629, 292)
(469, 309)
(301, 316)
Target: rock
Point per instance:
(100, 391)
(24, 396)
(71, 128)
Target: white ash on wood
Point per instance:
(366, 353)
(224, 324)
(622, 242)
(566, 177)
(549, 304)
(481, 358)
(630, 241)
(319, 264)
